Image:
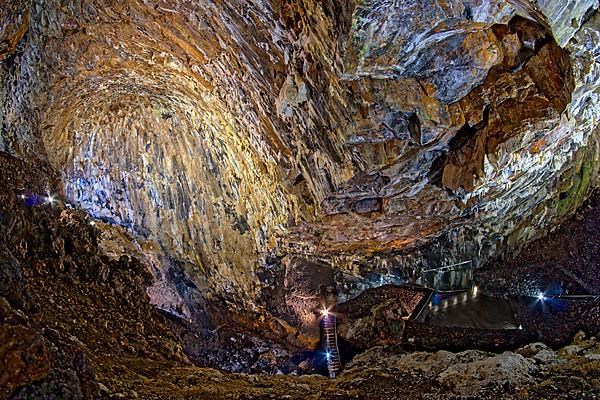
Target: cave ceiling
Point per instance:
(375, 136)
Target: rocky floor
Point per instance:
(63, 304)
(532, 372)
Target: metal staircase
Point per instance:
(334, 364)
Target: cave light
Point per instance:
(324, 312)
(50, 199)
(541, 296)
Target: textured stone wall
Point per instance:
(379, 137)
(188, 124)
(476, 131)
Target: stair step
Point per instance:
(330, 335)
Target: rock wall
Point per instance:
(377, 137)
(458, 169)
(187, 124)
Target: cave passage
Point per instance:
(188, 185)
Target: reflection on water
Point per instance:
(472, 310)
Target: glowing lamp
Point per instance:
(541, 296)
(49, 199)
(324, 312)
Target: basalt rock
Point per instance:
(377, 316)
(24, 357)
(307, 285)
(379, 138)
(14, 22)
(86, 330)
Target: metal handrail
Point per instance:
(447, 267)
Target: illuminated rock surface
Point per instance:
(236, 148)
(378, 136)
(80, 327)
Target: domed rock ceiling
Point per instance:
(236, 139)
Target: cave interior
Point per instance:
(302, 199)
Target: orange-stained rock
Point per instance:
(14, 23)
(374, 136)
(24, 357)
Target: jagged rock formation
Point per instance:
(14, 20)
(234, 138)
(453, 166)
(76, 323)
(377, 315)
(63, 301)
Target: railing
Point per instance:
(448, 268)
(449, 277)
